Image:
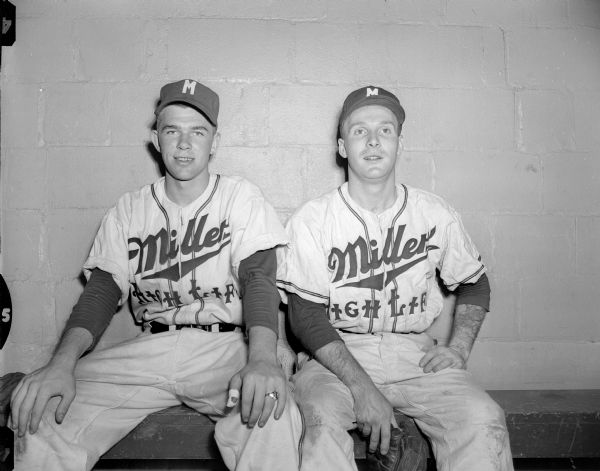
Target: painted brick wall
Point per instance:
(503, 120)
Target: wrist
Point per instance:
(262, 344)
(63, 361)
(462, 352)
(262, 355)
(361, 390)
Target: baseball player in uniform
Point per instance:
(360, 274)
(195, 254)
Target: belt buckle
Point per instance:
(207, 327)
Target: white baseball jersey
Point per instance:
(377, 272)
(181, 263)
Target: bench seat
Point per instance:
(541, 424)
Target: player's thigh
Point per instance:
(207, 362)
(322, 397)
(144, 360)
(448, 398)
(101, 413)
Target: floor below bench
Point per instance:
(536, 464)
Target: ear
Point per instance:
(342, 148)
(215, 144)
(400, 145)
(154, 137)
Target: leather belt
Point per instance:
(357, 333)
(157, 327)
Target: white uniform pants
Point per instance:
(118, 387)
(466, 427)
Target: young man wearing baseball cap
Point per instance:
(195, 254)
(360, 274)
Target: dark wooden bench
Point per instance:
(541, 423)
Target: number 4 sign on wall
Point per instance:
(6, 312)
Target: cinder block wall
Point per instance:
(503, 120)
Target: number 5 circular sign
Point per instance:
(6, 312)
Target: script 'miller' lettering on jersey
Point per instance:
(164, 247)
(364, 257)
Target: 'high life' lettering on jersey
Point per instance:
(371, 308)
(165, 247)
(364, 257)
(172, 299)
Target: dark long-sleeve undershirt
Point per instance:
(477, 294)
(310, 323)
(96, 306)
(260, 298)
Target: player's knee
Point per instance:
(323, 405)
(485, 412)
(323, 410)
(316, 413)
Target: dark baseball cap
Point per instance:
(191, 93)
(371, 95)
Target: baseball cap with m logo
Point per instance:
(191, 93)
(372, 95)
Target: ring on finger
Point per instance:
(273, 395)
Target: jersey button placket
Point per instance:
(384, 229)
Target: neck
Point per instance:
(183, 193)
(373, 196)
